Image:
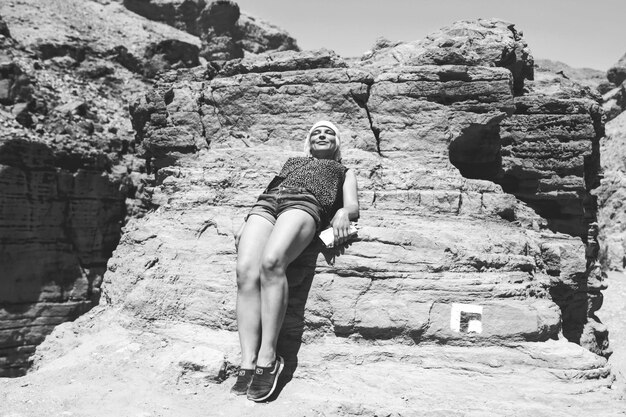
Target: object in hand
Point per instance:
(328, 237)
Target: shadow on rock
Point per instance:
(300, 276)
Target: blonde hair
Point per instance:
(307, 141)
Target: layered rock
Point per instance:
(59, 226)
(486, 42)
(68, 174)
(101, 366)
(431, 240)
(588, 77)
(451, 279)
(68, 180)
(550, 152)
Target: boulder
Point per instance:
(614, 102)
(257, 36)
(4, 29)
(617, 73)
(219, 16)
(15, 85)
(218, 31)
(226, 32)
(169, 53)
(485, 42)
(181, 14)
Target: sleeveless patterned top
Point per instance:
(321, 177)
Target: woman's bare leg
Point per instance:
(251, 245)
(292, 233)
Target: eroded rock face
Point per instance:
(182, 14)
(431, 240)
(68, 180)
(550, 153)
(485, 42)
(612, 194)
(226, 32)
(68, 173)
(259, 36)
(55, 31)
(59, 227)
(446, 266)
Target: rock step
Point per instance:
(182, 366)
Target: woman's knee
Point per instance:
(272, 267)
(248, 275)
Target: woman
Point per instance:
(310, 193)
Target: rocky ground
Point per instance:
(160, 369)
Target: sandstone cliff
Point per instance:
(447, 264)
(68, 171)
(469, 289)
(225, 32)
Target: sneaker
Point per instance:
(264, 381)
(244, 377)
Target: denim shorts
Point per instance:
(276, 201)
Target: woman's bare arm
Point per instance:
(349, 211)
(238, 234)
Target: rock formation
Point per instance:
(614, 96)
(474, 260)
(609, 191)
(69, 177)
(617, 73)
(612, 194)
(226, 33)
(444, 256)
(85, 33)
(68, 180)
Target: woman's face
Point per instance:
(323, 142)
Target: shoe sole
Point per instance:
(238, 393)
(269, 394)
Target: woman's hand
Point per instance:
(349, 211)
(341, 226)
